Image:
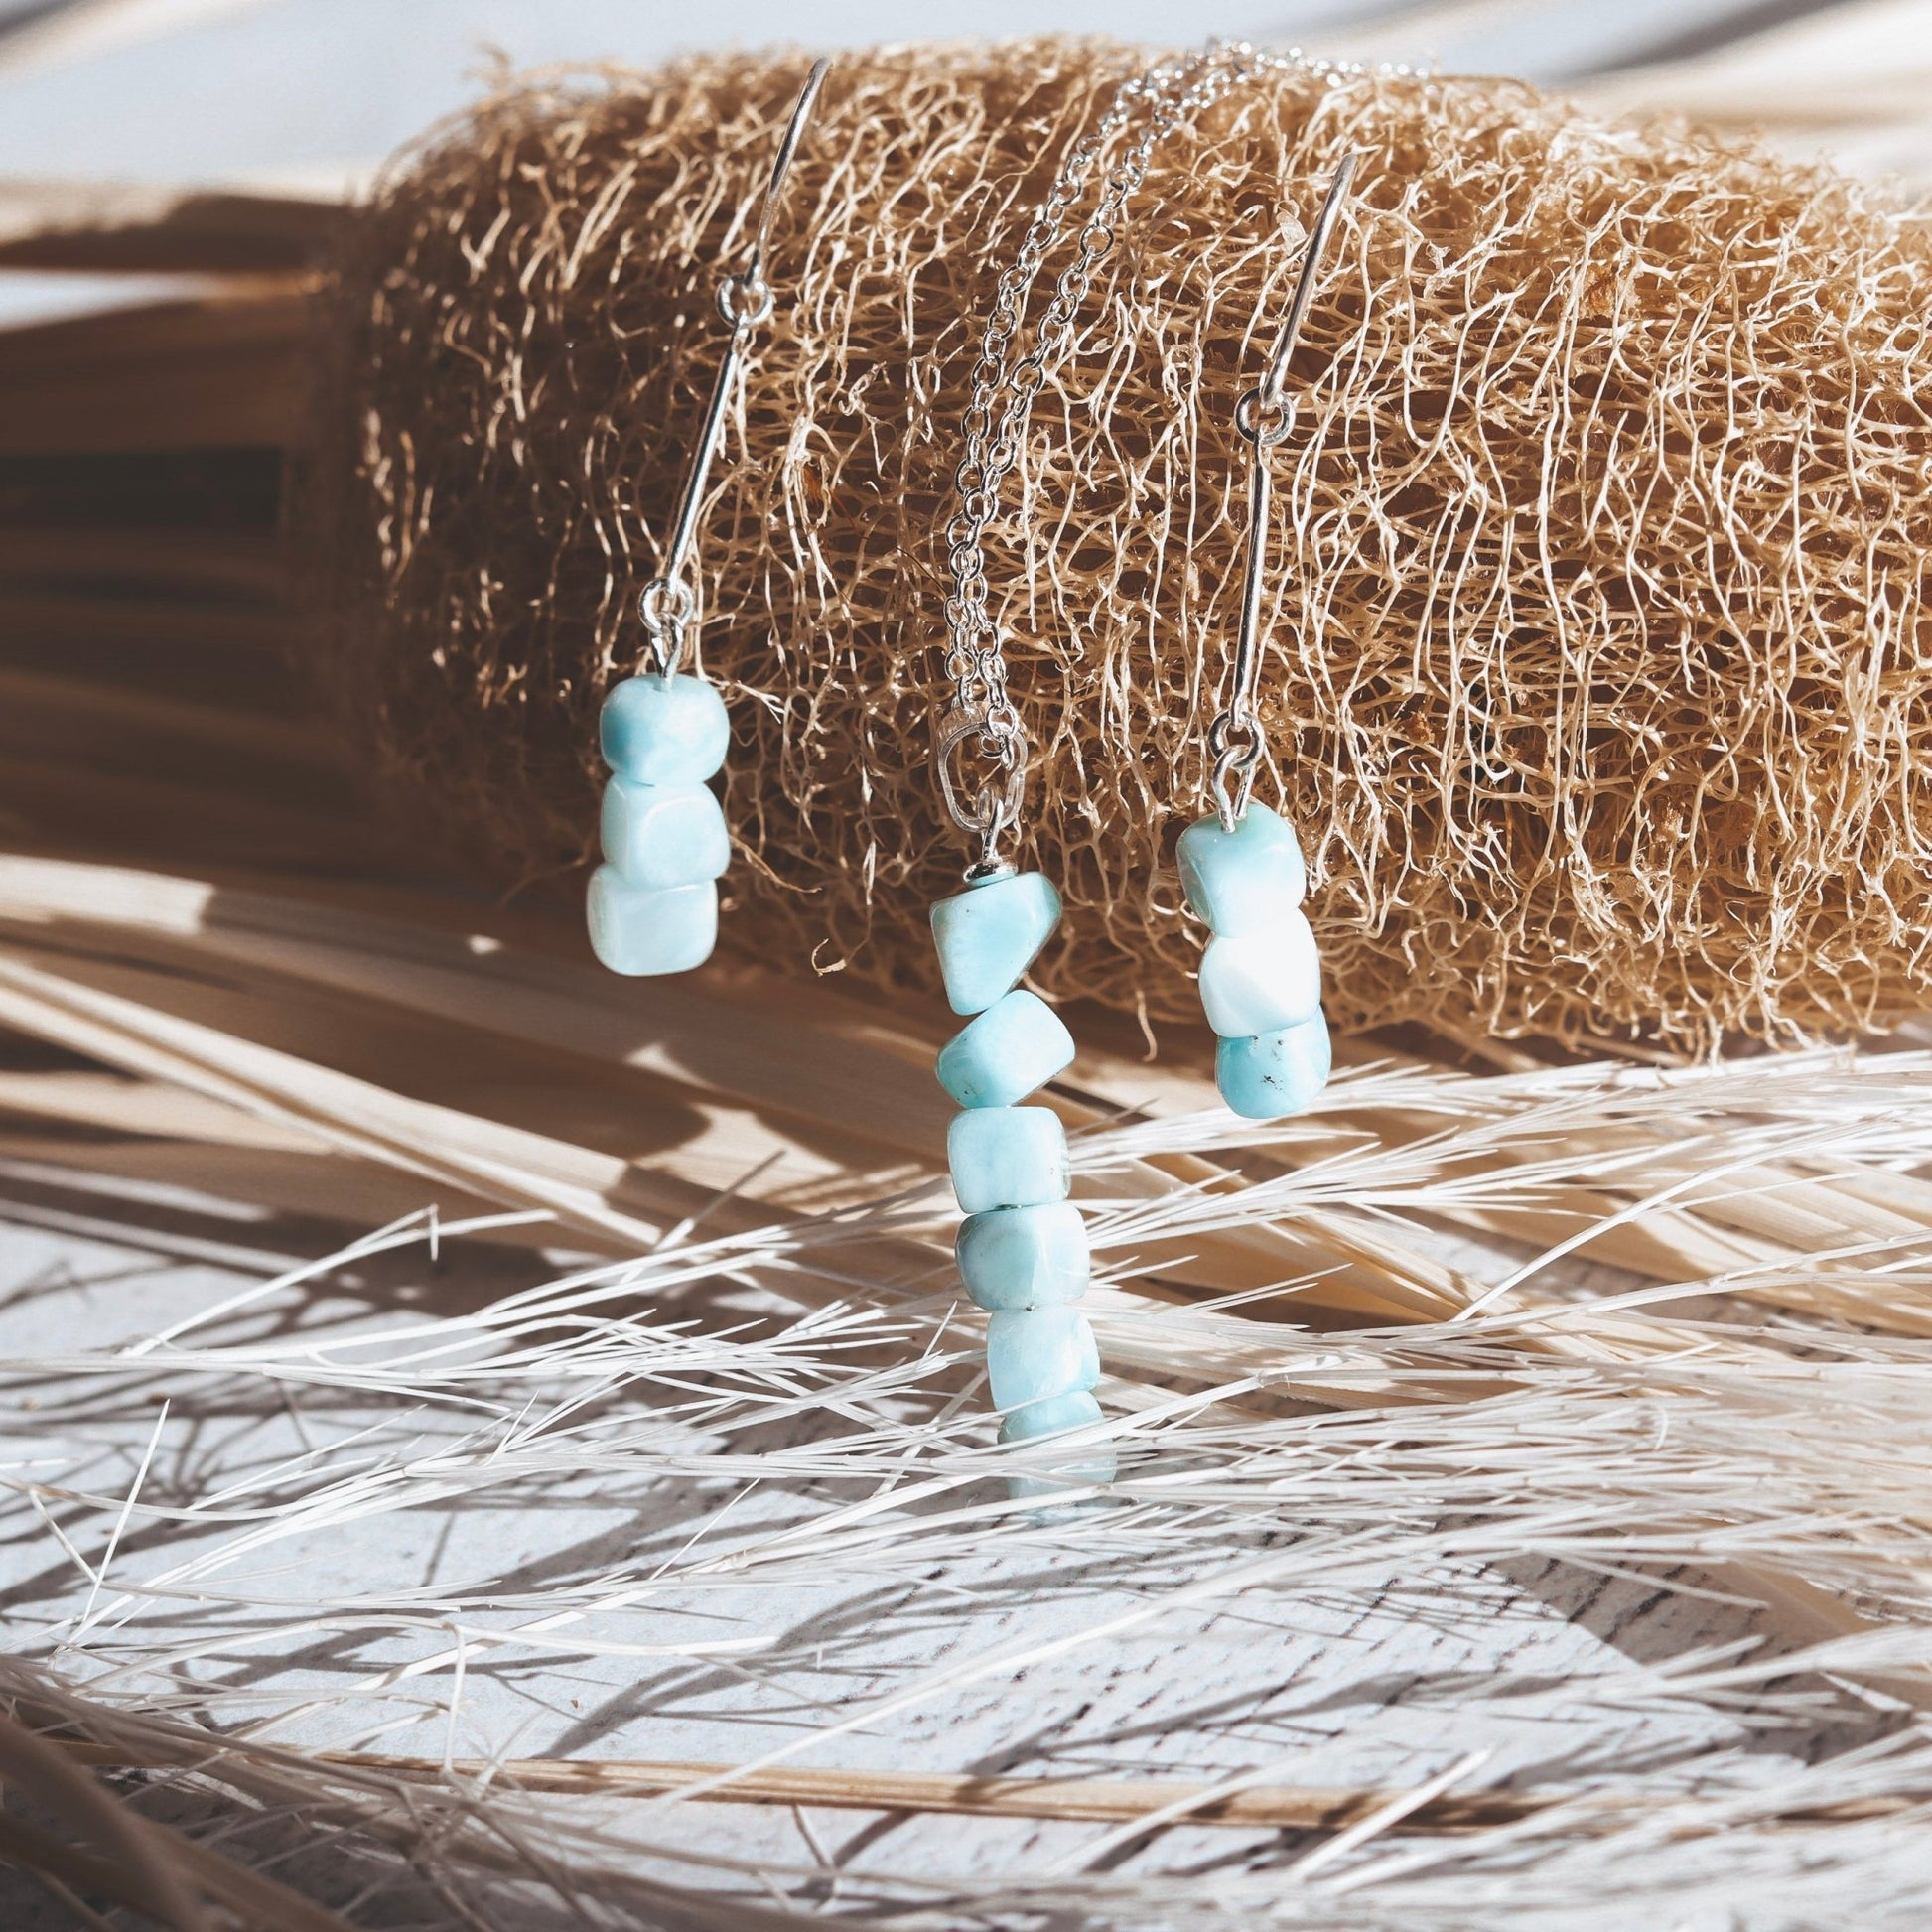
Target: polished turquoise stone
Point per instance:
(1024, 1257)
(664, 835)
(1272, 1075)
(1007, 1157)
(643, 930)
(659, 730)
(988, 934)
(1032, 1354)
(1242, 881)
(1256, 982)
(1017, 1044)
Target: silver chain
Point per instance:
(980, 719)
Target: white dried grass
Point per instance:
(1739, 1411)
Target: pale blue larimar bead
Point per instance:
(664, 835)
(988, 934)
(1245, 880)
(665, 731)
(643, 930)
(1017, 1044)
(1024, 1257)
(1090, 1463)
(1007, 1157)
(1257, 981)
(1272, 1075)
(1032, 1354)
(1050, 1418)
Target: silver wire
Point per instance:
(1263, 417)
(669, 604)
(754, 276)
(980, 718)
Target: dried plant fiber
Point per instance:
(1599, 658)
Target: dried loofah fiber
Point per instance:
(1600, 673)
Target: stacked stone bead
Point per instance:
(654, 903)
(1022, 1249)
(1261, 976)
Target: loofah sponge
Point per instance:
(1598, 676)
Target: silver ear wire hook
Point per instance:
(1264, 416)
(668, 603)
(752, 279)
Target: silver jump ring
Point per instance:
(666, 609)
(1263, 423)
(1236, 743)
(1236, 739)
(745, 301)
(665, 602)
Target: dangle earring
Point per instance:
(653, 902)
(1023, 1247)
(1241, 866)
